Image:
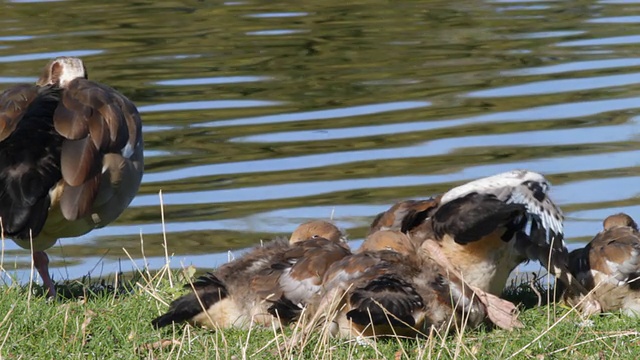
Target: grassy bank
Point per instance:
(110, 320)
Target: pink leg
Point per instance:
(41, 262)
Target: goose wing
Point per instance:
(27, 172)
(523, 187)
(102, 135)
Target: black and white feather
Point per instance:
(524, 187)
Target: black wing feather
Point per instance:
(394, 294)
(208, 288)
(30, 167)
(474, 216)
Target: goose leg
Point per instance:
(41, 263)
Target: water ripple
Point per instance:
(574, 66)
(308, 189)
(278, 15)
(207, 105)
(287, 112)
(559, 86)
(616, 20)
(48, 55)
(564, 111)
(616, 40)
(320, 114)
(213, 80)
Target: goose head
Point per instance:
(316, 229)
(61, 71)
(619, 220)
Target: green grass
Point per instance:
(110, 320)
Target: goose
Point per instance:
(251, 289)
(485, 228)
(71, 158)
(390, 287)
(609, 265)
(299, 274)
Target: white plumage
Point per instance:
(521, 187)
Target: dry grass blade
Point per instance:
(30, 273)
(160, 344)
(6, 336)
(6, 317)
(88, 317)
(164, 236)
(2, 249)
(600, 338)
(585, 298)
(501, 312)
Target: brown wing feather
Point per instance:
(69, 118)
(95, 120)
(305, 264)
(132, 125)
(266, 284)
(80, 161)
(316, 257)
(79, 198)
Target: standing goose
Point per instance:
(71, 158)
(610, 267)
(481, 228)
(257, 285)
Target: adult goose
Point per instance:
(486, 227)
(610, 267)
(257, 286)
(71, 158)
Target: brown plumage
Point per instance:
(390, 287)
(299, 273)
(403, 214)
(407, 216)
(477, 233)
(268, 280)
(478, 262)
(482, 228)
(470, 232)
(609, 265)
(393, 240)
(71, 158)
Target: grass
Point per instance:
(109, 319)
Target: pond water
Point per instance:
(259, 115)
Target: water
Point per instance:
(259, 115)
